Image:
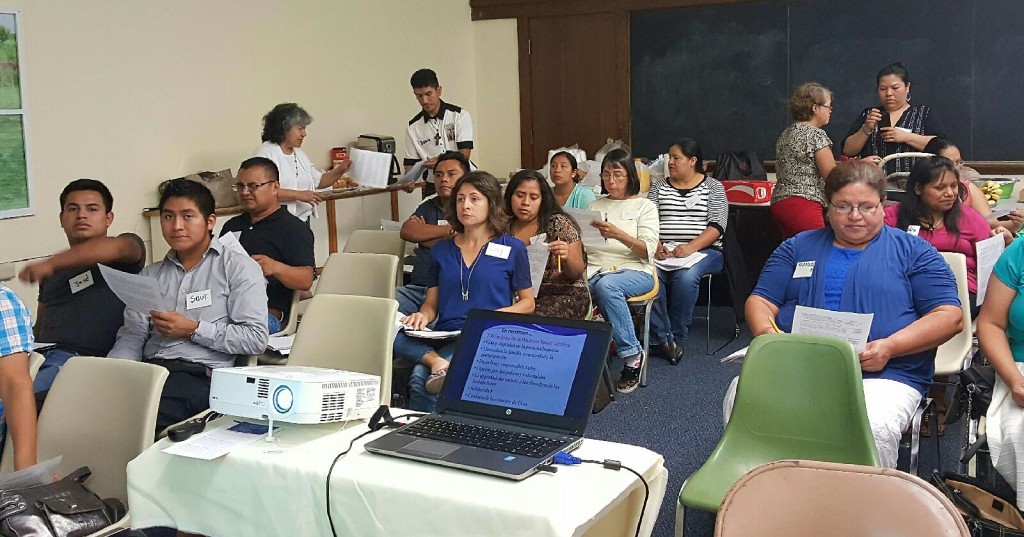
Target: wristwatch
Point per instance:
(192, 336)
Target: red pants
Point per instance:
(796, 214)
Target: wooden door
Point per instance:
(574, 82)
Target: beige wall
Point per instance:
(133, 93)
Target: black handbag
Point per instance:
(986, 513)
(739, 166)
(973, 393)
(64, 508)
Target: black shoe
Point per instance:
(629, 379)
(672, 352)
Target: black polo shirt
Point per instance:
(281, 237)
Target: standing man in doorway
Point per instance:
(439, 127)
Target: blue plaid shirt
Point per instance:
(15, 324)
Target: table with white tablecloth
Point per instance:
(280, 488)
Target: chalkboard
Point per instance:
(724, 73)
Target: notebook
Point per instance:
(519, 389)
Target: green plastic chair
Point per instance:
(799, 397)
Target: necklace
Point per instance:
(436, 124)
(464, 285)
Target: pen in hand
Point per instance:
(774, 326)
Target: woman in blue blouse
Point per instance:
(480, 267)
(565, 175)
(860, 265)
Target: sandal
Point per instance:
(435, 381)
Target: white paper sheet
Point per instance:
(425, 333)
(676, 263)
(37, 474)
(136, 291)
(281, 344)
(737, 356)
(370, 168)
(230, 241)
(588, 233)
(209, 445)
(390, 225)
(851, 327)
(414, 174)
(988, 252)
(538, 254)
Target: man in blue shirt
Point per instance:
(15, 381)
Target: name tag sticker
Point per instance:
(804, 269)
(914, 230)
(199, 299)
(629, 215)
(442, 222)
(82, 281)
(690, 202)
(498, 250)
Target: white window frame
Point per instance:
(23, 211)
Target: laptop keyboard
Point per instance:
(522, 444)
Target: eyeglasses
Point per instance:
(251, 187)
(614, 175)
(829, 106)
(865, 209)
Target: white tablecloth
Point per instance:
(279, 489)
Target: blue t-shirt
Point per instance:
(490, 282)
(431, 210)
(838, 266)
(1010, 271)
(898, 277)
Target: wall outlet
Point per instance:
(6, 271)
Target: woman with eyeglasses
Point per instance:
(803, 159)
(933, 210)
(531, 204)
(620, 267)
(860, 265)
(284, 130)
(895, 127)
(693, 213)
(971, 195)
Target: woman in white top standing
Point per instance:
(284, 129)
(620, 266)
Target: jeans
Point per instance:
(411, 350)
(410, 298)
(609, 291)
(273, 324)
(54, 360)
(677, 293)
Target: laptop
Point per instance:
(519, 389)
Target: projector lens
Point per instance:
(283, 399)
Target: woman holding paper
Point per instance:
(860, 265)
(563, 290)
(565, 174)
(693, 213)
(480, 267)
(1001, 335)
(620, 266)
(284, 130)
(933, 210)
(895, 127)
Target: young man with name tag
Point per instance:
(439, 126)
(427, 225)
(77, 310)
(213, 305)
(279, 241)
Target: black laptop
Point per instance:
(519, 389)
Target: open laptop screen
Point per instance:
(526, 368)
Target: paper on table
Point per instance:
(209, 445)
(588, 233)
(37, 474)
(414, 174)
(390, 225)
(851, 327)
(988, 251)
(538, 254)
(136, 291)
(281, 344)
(370, 168)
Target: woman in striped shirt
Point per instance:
(692, 212)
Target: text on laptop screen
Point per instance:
(529, 367)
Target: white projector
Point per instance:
(294, 394)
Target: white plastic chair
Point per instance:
(362, 274)
(376, 241)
